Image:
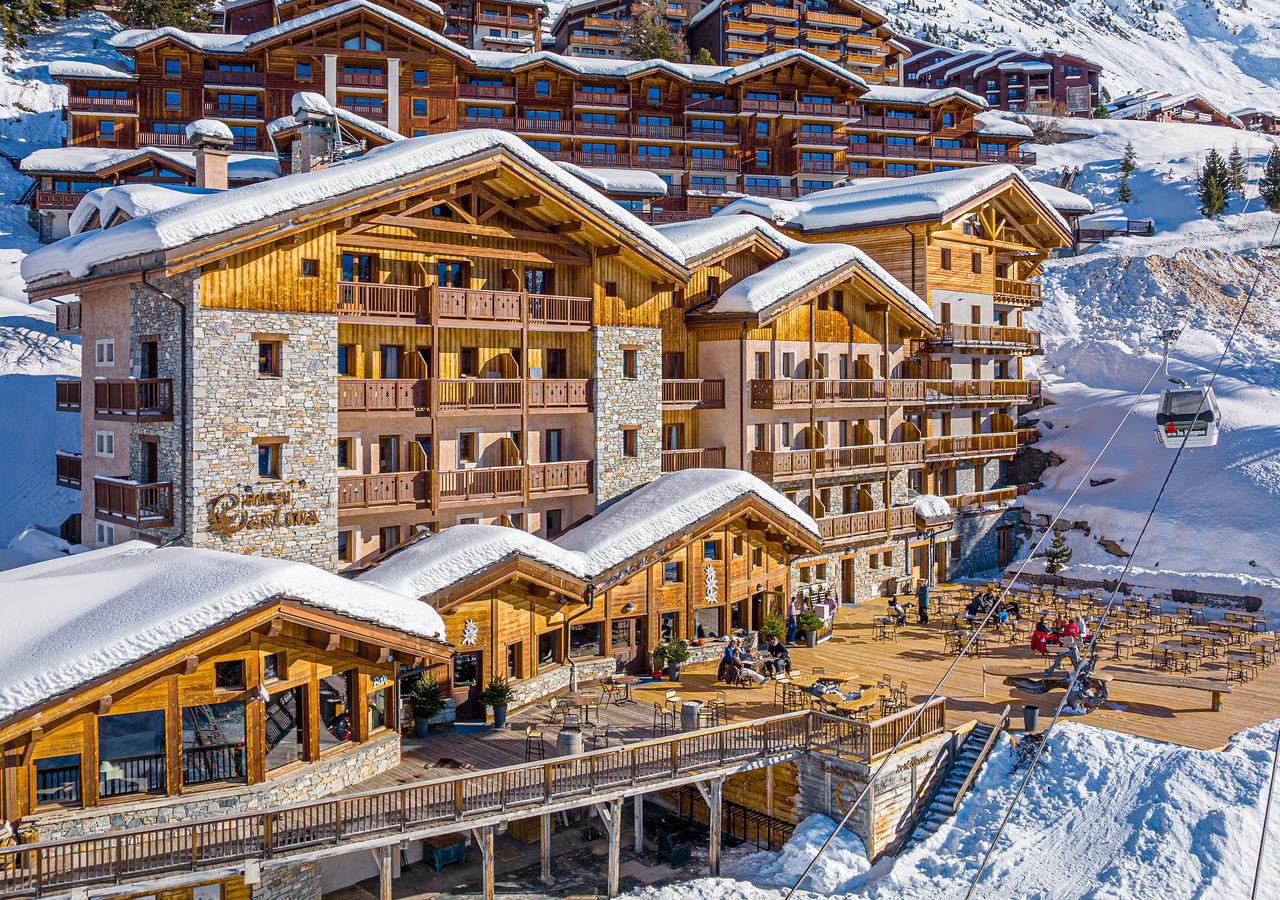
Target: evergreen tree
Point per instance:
(703, 57)
(1127, 164)
(1269, 185)
(1212, 185)
(22, 18)
(1057, 556)
(189, 15)
(1101, 112)
(1237, 170)
(648, 37)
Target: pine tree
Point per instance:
(703, 57)
(1057, 556)
(1237, 169)
(647, 36)
(1127, 164)
(189, 15)
(1269, 185)
(1212, 184)
(1101, 111)
(20, 19)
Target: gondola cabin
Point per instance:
(1188, 417)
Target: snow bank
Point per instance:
(620, 181)
(74, 68)
(931, 506)
(76, 618)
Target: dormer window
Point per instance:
(361, 42)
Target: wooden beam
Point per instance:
(104, 705)
(612, 250)
(527, 202)
(332, 643)
(190, 664)
(413, 245)
(29, 750)
(483, 837)
(545, 847)
(275, 628)
(567, 227)
(384, 873)
(637, 823)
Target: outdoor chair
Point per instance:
(534, 746)
(598, 735)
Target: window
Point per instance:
(361, 42)
(273, 667)
(654, 94)
(302, 71)
(542, 88)
(630, 362)
(713, 286)
(760, 441)
(467, 362)
(467, 447)
(106, 534)
(584, 640)
(106, 130)
(173, 100)
(948, 120)
(451, 273)
(346, 359)
(58, 780)
(762, 157)
(554, 447)
(553, 521)
(466, 669)
(419, 77)
(229, 675)
(611, 288)
(335, 709)
(284, 739)
(631, 442)
(548, 648)
(976, 262)
(104, 444)
(346, 547)
(710, 549)
(346, 453)
(672, 572)
(310, 268)
(173, 68)
(388, 537)
(269, 359)
(213, 740)
(419, 107)
(946, 258)
(360, 267)
(104, 352)
(131, 754)
(762, 128)
(269, 460)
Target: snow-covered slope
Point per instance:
(1225, 49)
(1106, 815)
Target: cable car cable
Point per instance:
(1266, 818)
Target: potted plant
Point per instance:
(425, 698)
(772, 627)
(676, 653)
(809, 624)
(498, 695)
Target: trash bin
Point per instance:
(1029, 716)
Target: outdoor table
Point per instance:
(1171, 650)
(1214, 640)
(1267, 647)
(583, 701)
(627, 682)
(882, 627)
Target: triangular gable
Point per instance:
(146, 157)
(1013, 192)
(334, 19)
(797, 58)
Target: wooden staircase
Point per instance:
(977, 746)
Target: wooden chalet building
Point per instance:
(1261, 120)
(783, 124)
(1008, 79)
(849, 34)
(1162, 106)
(595, 28)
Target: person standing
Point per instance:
(791, 621)
(922, 602)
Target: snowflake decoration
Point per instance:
(712, 589)
(470, 632)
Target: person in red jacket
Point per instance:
(1040, 639)
(1070, 628)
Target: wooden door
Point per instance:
(846, 580)
(627, 645)
(920, 562)
(1004, 545)
(467, 669)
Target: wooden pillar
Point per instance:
(172, 740)
(384, 872)
(813, 410)
(544, 845)
(637, 822)
(611, 815)
(711, 793)
(484, 840)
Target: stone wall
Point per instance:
(316, 780)
(300, 881)
(531, 690)
(979, 547)
(232, 405)
(627, 402)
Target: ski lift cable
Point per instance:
(1090, 653)
(1266, 818)
(937, 689)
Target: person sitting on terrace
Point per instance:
(728, 663)
(825, 690)
(1040, 639)
(897, 611)
(744, 660)
(779, 660)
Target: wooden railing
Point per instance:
(448, 804)
(957, 445)
(769, 464)
(133, 504)
(770, 393)
(869, 523)
(385, 489)
(601, 98)
(67, 467)
(479, 393)
(102, 104)
(993, 497)
(362, 79)
(133, 398)
(461, 485)
(487, 91)
(548, 478)
(946, 390)
(391, 301)
(812, 16)
(694, 458)
(1015, 292)
(58, 199)
(769, 11)
(163, 139)
(983, 753)
(68, 317)
(696, 393)
(897, 123)
(559, 393)
(507, 307)
(233, 110)
(382, 395)
(997, 336)
(227, 76)
(66, 394)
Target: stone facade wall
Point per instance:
(232, 405)
(316, 780)
(531, 690)
(624, 402)
(295, 882)
(979, 548)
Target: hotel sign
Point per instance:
(249, 510)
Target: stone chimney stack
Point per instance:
(212, 140)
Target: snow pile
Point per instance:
(310, 101)
(211, 129)
(33, 545)
(620, 181)
(129, 201)
(838, 870)
(931, 506)
(76, 618)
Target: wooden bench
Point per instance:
(1215, 688)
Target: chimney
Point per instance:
(212, 140)
(313, 146)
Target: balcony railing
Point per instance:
(714, 163)
(383, 301)
(67, 466)
(226, 76)
(721, 105)
(770, 464)
(982, 499)
(462, 485)
(558, 477)
(102, 104)
(163, 139)
(998, 337)
(131, 503)
(478, 394)
(816, 18)
(696, 458)
(769, 11)
(965, 445)
(1013, 390)
(809, 138)
(66, 392)
(383, 395)
(693, 393)
(508, 307)
(569, 394)
(1015, 292)
(68, 317)
(897, 123)
(774, 393)
(362, 79)
(58, 199)
(133, 398)
(486, 92)
(384, 489)
(868, 524)
(602, 98)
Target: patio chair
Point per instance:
(720, 706)
(555, 711)
(598, 735)
(664, 722)
(534, 746)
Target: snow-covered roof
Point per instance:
(628, 527)
(699, 238)
(955, 57)
(1063, 200)
(703, 13)
(310, 101)
(208, 216)
(1025, 66)
(92, 161)
(620, 181)
(71, 68)
(210, 128)
(879, 201)
(133, 200)
(911, 96)
(994, 124)
(71, 620)
(343, 115)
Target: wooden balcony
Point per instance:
(164, 139)
(505, 123)
(962, 446)
(486, 92)
(508, 394)
(362, 79)
(723, 106)
(472, 308)
(104, 105)
(959, 390)
(871, 524)
(693, 393)
(602, 98)
(559, 477)
(607, 24)
(896, 123)
(821, 18)
(232, 110)
(508, 482)
(781, 393)
(66, 392)
(741, 26)
(136, 399)
(999, 338)
(985, 499)
(67, 469)
(133, 504)
(590, 39)
(382, 301)
(768, 11)
(58, 199)
(823, 166)
(714, 164)
(384, 489)
(391, 395)
(242, 79)
(1015, 292)
(560, 394)
(805, 137)
(696, 458)
(68, 318)
(783, 464)
(744, 45)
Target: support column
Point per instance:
(637, 813)
(393, 94)
(331, 78)
(484, 839)
(384, 872)
(711, 793)
(611, 815)
(545, 847)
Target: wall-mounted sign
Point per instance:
(379, 681)
(254, 510)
